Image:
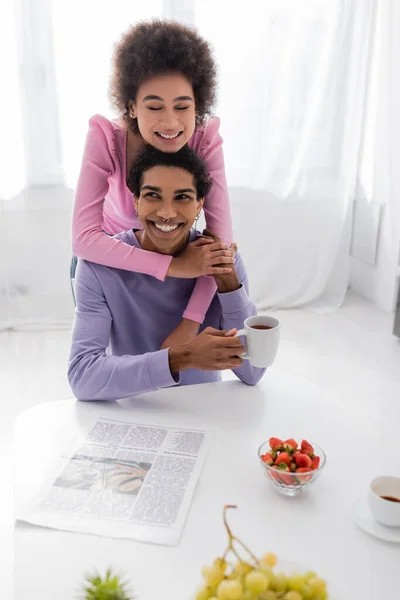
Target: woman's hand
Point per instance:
(201, 258)
(227, 282)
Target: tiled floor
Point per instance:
(351, 352)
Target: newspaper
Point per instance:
(124, 480)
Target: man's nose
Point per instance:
(166, 211)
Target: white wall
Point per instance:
(378, 282)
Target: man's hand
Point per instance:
(211, 350)
(227, 282)
(183, 334)
(202, 257)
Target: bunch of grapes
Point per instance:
(254, 579)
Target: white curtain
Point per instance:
(293, 84)
(83, 64)
(292, 97)
(12, 159)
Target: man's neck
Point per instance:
(147, 244)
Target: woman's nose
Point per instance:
(169, 120)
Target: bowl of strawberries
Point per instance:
(291, 465)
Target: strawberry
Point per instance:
(302, 460)
(290, 444)
(285, 475)
(315, 462)
(302, 476)
(275, 443)
(292, 466)
(268, 458)
(283, 457)
(288, 478)
(306, 447)
(274, 473)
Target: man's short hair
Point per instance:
(185, 158)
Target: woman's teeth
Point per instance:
(166, 228)
(168, 137)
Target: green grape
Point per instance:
(229, 590)
(221, 564)
(269, 559)
(268, 595)
(202, 593)
(268, 572)
(279, 582)
(317, 586)
(256, 582)
(242, 568)
(321, 596)
(212, 575)
(293, 595)
(296, 581)
(306, 592)
(310, 575)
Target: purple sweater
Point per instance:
(123, 317)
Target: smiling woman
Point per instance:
(167, 119)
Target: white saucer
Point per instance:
(363, 518)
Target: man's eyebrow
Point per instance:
(151, 188)
(178, 99)
(185, 191)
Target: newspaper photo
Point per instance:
(125, 480)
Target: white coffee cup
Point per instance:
(383, 510)
(261, 344)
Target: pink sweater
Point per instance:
(104, 202)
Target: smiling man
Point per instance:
(122, 317)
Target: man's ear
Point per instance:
(136, 204)
(200, 205)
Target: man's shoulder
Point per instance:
(125, 236)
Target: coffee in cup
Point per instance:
(384, 500)
(262, 340)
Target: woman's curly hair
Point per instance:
(157, 47)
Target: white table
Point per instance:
(314, 529)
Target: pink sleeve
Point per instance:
(88, 239)
(217, 213)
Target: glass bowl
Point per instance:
(287, 483)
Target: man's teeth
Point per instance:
(166, 228)
(168, 137)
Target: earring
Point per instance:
(132, 115)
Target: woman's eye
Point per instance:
(182, 197)
(152, 195)
(181, 107)
(154, 107)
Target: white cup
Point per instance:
(384, 511)
(261, 344)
